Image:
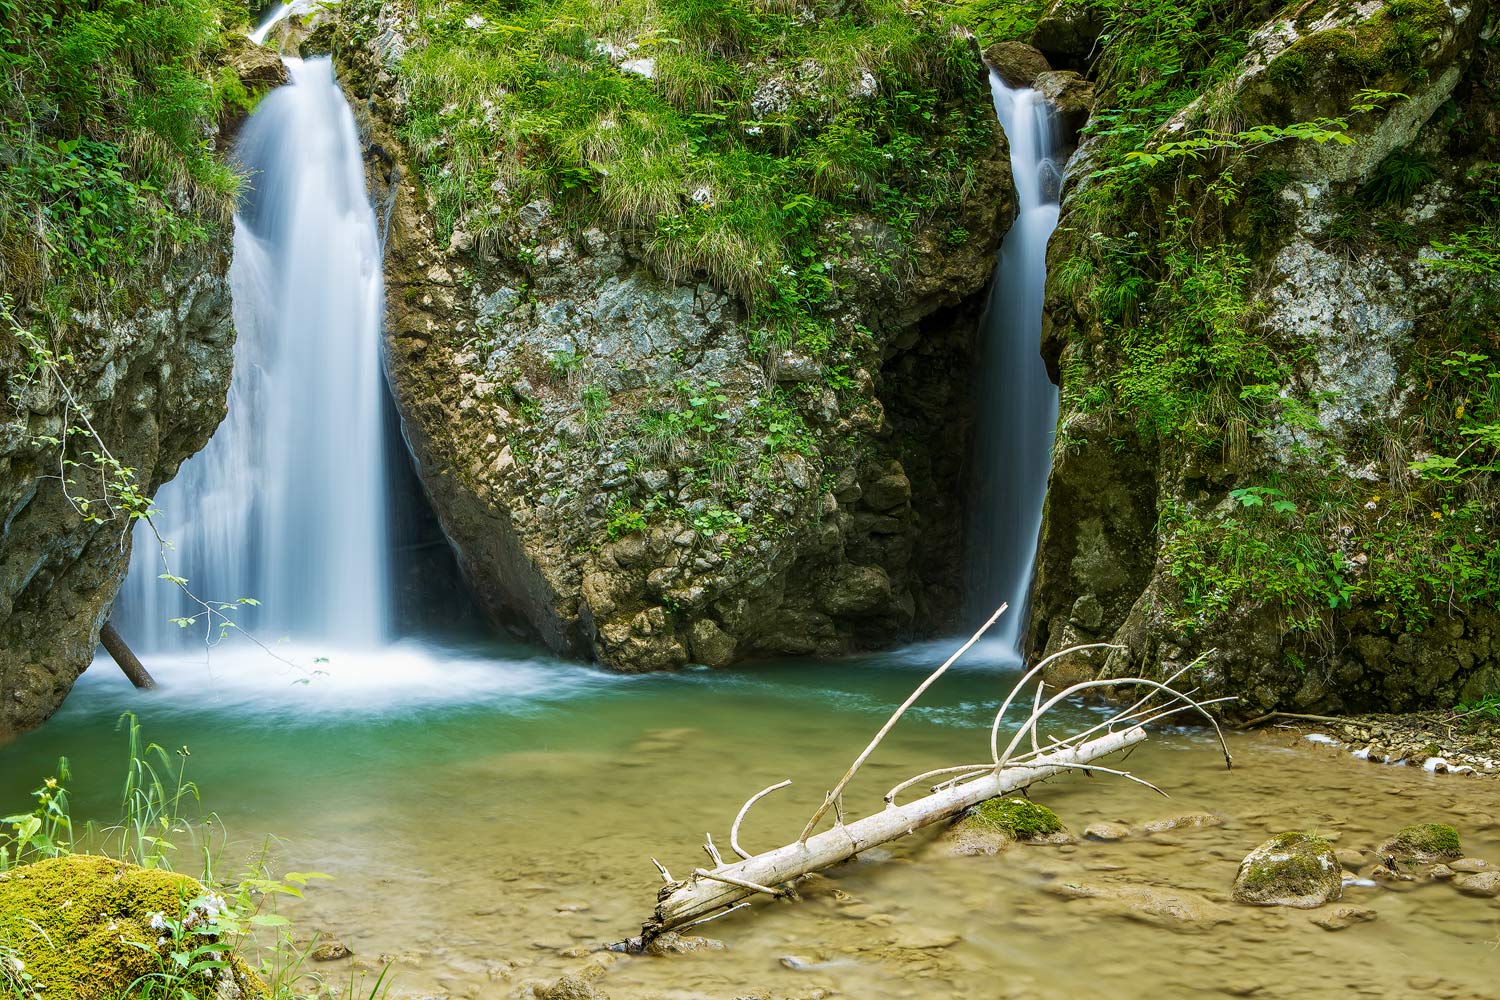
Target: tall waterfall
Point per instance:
(1017, 408)
(286, 505)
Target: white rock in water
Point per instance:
(1320, 738)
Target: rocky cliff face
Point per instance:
(1278, 363)
(106, 396)
(623, 464)
(152, 382)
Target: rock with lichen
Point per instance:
(1423, 843)
(1291, 869)
(91, 928)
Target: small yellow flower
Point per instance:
(1375, 498)
(1437, 515)
(51, 782)
(1458, 414)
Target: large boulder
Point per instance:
(1017, 63)
(1290, 869)
(90, 928)
(629, 464)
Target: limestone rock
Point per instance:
(1187, 821)
(1106, 831)
(1483, 884)
(620, 467)
(1071, 94)
(573, 988)
(1343, 917)
(1290, 869)
(155, 374)
(1017, 63)
(1171, 909)
(1103, 534)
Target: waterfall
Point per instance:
(1017, 402)
(286, 504)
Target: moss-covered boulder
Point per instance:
(83, 927)
(1424, 842)
(1290, 869)
(995, 824)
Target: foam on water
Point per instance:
(313, 684)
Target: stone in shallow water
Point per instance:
(1483, 884)
(1172, 909)
(1291, 869)
(1425, 842)
(1341, 917)
(1106, 831)
(1471, 865)
(1187, 821)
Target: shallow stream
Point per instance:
(489, 817)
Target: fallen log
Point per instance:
(127, 661)
(708, 894)
(702, 894)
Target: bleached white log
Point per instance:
(701, 895)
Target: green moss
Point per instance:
(754, 136)
(75, 921)
(1018, 818)
(1427, 841)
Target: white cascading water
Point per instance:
(286, 504)
(1017, 408)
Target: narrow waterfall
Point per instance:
(286, 505)
(1017, 403)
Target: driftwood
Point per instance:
(127, 661)
(708, 894)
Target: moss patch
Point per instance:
(1018, 818)
(1424, 842)
(72, 921)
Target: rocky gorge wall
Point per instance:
(627, 462)
(1278, 362)
(106, 397)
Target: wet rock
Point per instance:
(995, 824)
(1351, 860)
(1070, 94)
(1017, 63)
(1173, 909)
(1106, 831)
(1187, 821)
(672, 943)
(1342, 917)
(924, 938)
(572, 988)
(1390, 877)
(330, 951)
(1291, 869)
(1471, 865)
(1440, 873)
(1484, 884)
(1424, 842)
